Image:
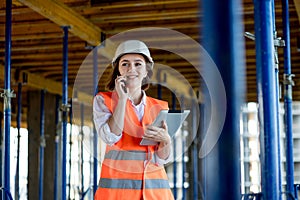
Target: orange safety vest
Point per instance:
(129, 170)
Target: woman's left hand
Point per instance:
(158, 134)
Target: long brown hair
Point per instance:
(115, 73)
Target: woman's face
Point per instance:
(133, 67)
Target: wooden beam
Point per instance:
(49, 56)
(138, 17)
(57, 46)
(36, 81)
(16, 3)
(62, 15)
(297, 6)
(54, 87)
(130, 4)
(177, 26)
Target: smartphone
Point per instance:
(124, 86)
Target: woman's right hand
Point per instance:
(120, 86)
(116, 121)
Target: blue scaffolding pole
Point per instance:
(288, 99)
(195, 150)
(277, 43)
(222, 39)
(64, 113)
(267, 99)
(7, 94)
(95, 137)
(1, 153)
(42, 145)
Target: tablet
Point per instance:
(174, 121)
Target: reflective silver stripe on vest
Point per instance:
(120, 184)
(157, 184)
(133, 184)
(128, 155)
(125, 155)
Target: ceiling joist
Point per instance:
(62, 15)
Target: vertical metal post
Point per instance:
(95, 136)
(183, 154)
(56, 149)
(7, 98)
(70, 149)
(174, 152)
(276, 66)
(288, 99)
(81, 148)
(42, 145)
(1, 153)
(195, 150)
(222, 39)
(267, 99)
(65, 115)
(203, 177)
(19, 112)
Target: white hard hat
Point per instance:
(132, 46)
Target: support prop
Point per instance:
(267, 99)
(65, 108)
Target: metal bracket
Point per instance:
(278, 42)
(288, 79)
(65, 107)
(7, 94)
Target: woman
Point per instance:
(123, 118)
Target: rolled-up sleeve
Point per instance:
(162, 162)
(101, 114)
